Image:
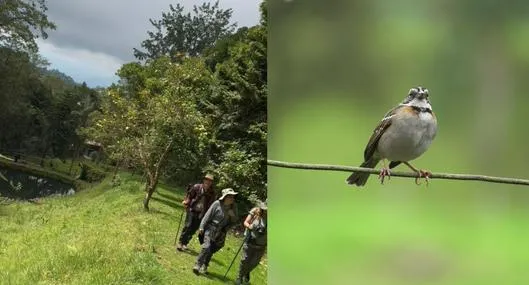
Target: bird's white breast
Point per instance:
(408, 137)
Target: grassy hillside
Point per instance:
(102, 236)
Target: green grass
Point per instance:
(103, 236)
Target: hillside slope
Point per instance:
(103, 236)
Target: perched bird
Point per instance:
(404, 134)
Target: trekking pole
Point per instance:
(240, 247)
(178, 229)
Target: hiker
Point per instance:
(218, 219)
(255, 242)
(196, 202)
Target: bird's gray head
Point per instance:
(418, 96)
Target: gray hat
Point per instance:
(227, 191)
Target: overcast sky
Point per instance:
(94, 38)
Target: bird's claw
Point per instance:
(423, 173)
(383, 173)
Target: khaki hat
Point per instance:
(209, 176)
(227, 191)
(263, 205)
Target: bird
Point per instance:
(404, 134)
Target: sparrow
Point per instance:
(404, 134)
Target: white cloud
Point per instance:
(82, 65)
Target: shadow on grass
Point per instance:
(169, 197)
(195, 253)
(168, 203)
(217, 262)
(217, 276)
(156, 211)
(191, 252)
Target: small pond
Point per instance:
(24, 186)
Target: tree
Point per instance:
(220, 52)
(238, 147)
(158, 121)
(19, 20)
(21, 87)
(178, 34)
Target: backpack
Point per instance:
(186, 198)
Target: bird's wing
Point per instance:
(377, 133)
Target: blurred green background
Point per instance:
(335, 68)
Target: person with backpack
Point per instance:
(196, 202)
(255, 242)
(215, 225)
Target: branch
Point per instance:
(448, 176)
(162, 157)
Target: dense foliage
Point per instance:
(42, 108)
(192, 106)
(21, 22)
(179, 33)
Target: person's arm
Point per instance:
(190, 195)
(248, 221)
(250, 218)
(207, 216)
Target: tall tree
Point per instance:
(240, 110)
(23, 21)
(178, 33)
(21, 87)
(158, 121)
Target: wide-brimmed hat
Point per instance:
(226, 192)
(208, 176)
(263, 205)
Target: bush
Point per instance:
(91, 173)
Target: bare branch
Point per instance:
(448, 176)
(163, 157)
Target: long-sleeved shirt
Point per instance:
(218, 215)
(200, 199)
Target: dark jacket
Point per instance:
(218, 219)
(194, 197)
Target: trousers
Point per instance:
(209, 247)
(191, 225)
(251, 255)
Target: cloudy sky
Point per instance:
(94, 38)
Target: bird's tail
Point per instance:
(360, 178)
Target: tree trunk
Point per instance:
(118, 163)
(150, 186)
(74, 157)
(153, 175)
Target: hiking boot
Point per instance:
(204, 269)
(246, 278)
(196, 269)
(181, 247)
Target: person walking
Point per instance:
(196, 202)
(215, 225)
(255, 242)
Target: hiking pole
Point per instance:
(178, 229)
(240, 247)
